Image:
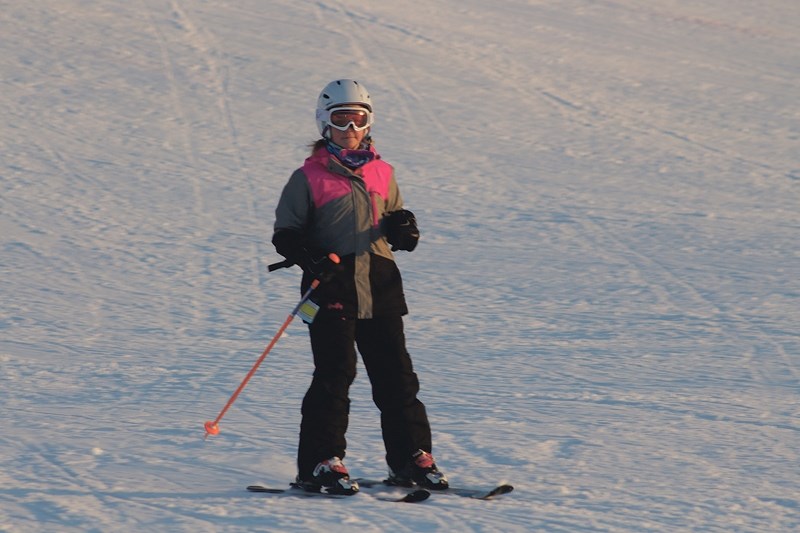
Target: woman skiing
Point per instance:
(345, 200)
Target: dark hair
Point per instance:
(316, 145)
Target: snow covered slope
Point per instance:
(605, 304)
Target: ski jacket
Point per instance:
(335, 209)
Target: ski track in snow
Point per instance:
(604, 304)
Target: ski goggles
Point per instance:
(342, 118)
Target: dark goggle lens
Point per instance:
(345, 117)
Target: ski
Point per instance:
(473, 493)
(481, 494)
(413, 496)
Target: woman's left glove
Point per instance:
(401, 230)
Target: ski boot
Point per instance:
(420, 470)
(331, 477)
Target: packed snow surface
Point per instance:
(605, 303)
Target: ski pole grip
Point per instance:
(333, 258)
(286, 263)
(281, 264)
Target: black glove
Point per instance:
(322, 268)
(401, 230)
(291, 245)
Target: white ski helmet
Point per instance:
(340, 93)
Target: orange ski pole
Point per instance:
(212, 426)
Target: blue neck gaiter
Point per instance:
(352, 159)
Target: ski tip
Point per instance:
(497, 491)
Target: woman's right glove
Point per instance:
(291, 245)
(322, 268)
(401, 230)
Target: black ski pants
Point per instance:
(326, 406)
